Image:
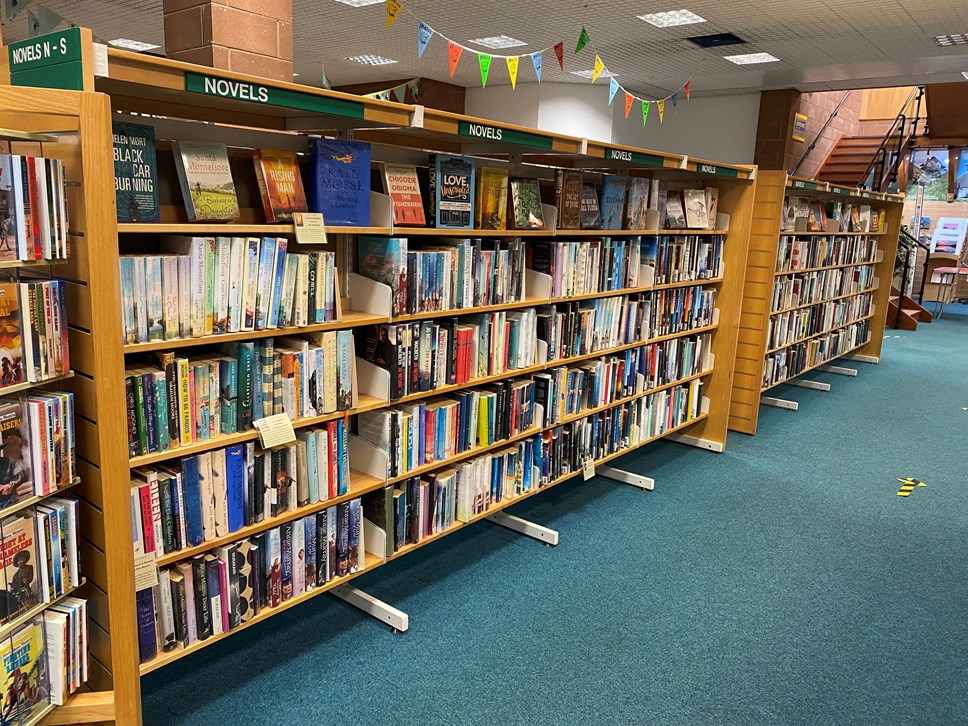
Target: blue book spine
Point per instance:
(440, 435)
(147, 642)
(244, 366)
(279, 271)
(193, 501)
(235, 485)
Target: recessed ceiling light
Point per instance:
(671, 18)
(135, 45)
(946, 40)
(498, 41)
(359, 3)
(589, 73)
(747, 58)
(371, 60)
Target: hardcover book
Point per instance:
(401, 184)
(613, 201)
(712, 206)
(675, 214)
(338, 181)
(135, 172)
(568, 198)
(454, 192)
(526, 204)
(490, 209)
(16, 481)
(206, 181)
(590, 216)
(280, 184)
(694, 204)
(638, 203)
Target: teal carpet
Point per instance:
(782, 582)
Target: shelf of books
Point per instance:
(333, 330)
(818, 282)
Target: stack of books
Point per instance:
(587, 267)
(33, 195)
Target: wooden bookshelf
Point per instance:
(772, 190)
(153, 88)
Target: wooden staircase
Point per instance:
(911, 312)
(849, 159)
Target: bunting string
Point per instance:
(398, 91)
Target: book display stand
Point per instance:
(811, 297)
(248, 113)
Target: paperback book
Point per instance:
(135, 172)
(491, 204)
(454, 190)
(613, 201)
(280, 184)
(526, 210)
(338, 181)
(206, 181)
(403, 187)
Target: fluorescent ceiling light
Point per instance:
(498, 41)
(359, 3)
(947, 40)
(371, 60)
(747, 58)
(670, 18)
(589, 73)
(135, 45)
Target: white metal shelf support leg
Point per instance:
(864, 358)
(779, 402)
(839, 370)
(815, 385)
(523, 526)
(626, 477)
(396, 619)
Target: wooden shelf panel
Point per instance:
(821, 302)
(351, 319)
(817, 335)
(18, 387)
(230, 229)
(163, 659)
(832, 234)
(366, 403)
(778, 273)
(360, 484)
(764, 389)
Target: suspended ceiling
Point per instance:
(821, 45)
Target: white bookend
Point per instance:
(374, 539)
(646, 275)
(369, 296)
(381, 210)
(722, 221)
(704, 407)
(372, 380)
(715, 316)
(708, 359)
(876, 283)
(549, 213)
(652, 220)
(541, 352)
(539, 415)
(368, 458)
(537, 285)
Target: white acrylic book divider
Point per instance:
(651, 220)
(381, 211)
(368, 458)
(374, 539)
(539, 415)
(704, 406)
(372, 380)
(708, 360)
(537, 285)
(550, 215)
(541, 352)
(639, 383)
(715, 316)
(369, 296)
(722, 221)
(646, 275)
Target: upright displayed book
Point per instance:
(384, 259)
(403, 187)
(694, 205)
(613, 201)
(568, 196)
(590, 216)
(23, 674)
(338, 181)
(526, 203)
(16, 479)
(280, 184)
(135, 172)
(491, 203)
(206, 181)
(638, 203)
(21, 567)
(11, 344)
(454, 192)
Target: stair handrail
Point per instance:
(909, 242)
(901, 135)
(831, 117)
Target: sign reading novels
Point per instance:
(504, 135)
(633, 157)
(716, 170)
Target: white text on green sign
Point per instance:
(46, 50)
(633, 157)
(505, 136)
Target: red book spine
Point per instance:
(333, 476)
(146, 518)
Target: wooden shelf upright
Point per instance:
(773, 190)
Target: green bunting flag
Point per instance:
(484, 61)
(645, 111)
(582, 40)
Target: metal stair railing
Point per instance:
(831, 117)
(884, 165)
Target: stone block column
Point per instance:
(245, 36)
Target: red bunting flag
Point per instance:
(560, 52)
(687, 89)
(629, 98)
(453, 51)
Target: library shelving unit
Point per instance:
(187, 102)
(862, 299)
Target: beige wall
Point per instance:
(884, 103)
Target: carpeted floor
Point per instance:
(782, 582)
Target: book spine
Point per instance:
(203, 608)
(235, 486)
(147, 642)
(208, 249)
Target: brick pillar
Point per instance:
(245, 36)
(774, 139)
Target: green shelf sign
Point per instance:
(503, 135)
(266, 95)
(800, 184)
(634, 157)
(48, 61)
(716, 170)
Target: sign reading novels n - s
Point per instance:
(48, 61)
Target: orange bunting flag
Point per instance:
(599, 67)
(512, 61)
(453, 51)
(393, 11)
(661, 105)
(687, 89)
(629, 98)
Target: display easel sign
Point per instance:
(949, 235)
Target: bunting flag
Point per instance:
(414, 87)
(560, 54)
(41, 21)
(597, 70)
(424, 34)
(484, 61)
(612, 89)
(645, 111)
(675, 100)
(582, 40)
(686, 88)
(393, 11)
(661, 106)
(629, 98)
(325, 82)
(454, 52)
(11, 8)
(512, 61)
(400, 93)
(536, 62)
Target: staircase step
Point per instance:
(835, 163)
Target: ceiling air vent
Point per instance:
(716, 40)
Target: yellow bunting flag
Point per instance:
(661, 107)
(393, 11)
(599, 67)
(512, 61)
(453, 52)
(629, 98)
